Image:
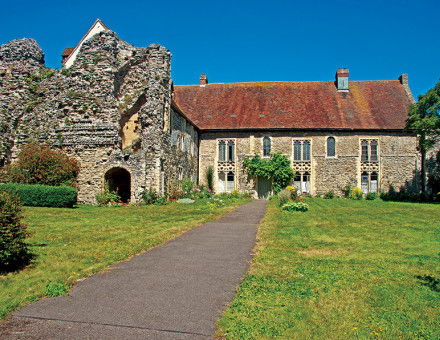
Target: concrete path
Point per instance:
(176, 291)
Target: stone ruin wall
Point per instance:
(397, 157)
(83, 109)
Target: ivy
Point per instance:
(277, 168)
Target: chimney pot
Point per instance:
(342, 79)
(203, 80)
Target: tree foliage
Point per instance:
(13, 249)
(277, 168)
(38, 164)
(424, 120)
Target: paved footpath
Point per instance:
(175, 291)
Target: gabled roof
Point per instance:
(98, 26)
(368, 105)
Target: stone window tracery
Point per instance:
(301, 151)
(369, 151)
(369, 181)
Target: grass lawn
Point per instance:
(343, 270)
(74, 243)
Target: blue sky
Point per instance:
(252, 40)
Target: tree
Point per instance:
(424, 120)
(276, 168)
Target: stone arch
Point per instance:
(119, 179)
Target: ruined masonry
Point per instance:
(114, 108)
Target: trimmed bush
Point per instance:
(42, 195)
(38, 164)
(13, 250)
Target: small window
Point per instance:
(297, 151)
(266, 146)
(306, 151)
(331, 147)
(231, 155)
(364, 151)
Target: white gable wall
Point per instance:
(97, 27)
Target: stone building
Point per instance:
(114, 108)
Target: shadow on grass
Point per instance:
(18, 262)
(430, 282)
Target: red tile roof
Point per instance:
(379, 104)
(67, 51)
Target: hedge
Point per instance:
(36, 195)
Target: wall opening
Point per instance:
(119, 180)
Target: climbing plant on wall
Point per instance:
(277, 168)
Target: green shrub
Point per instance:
(107, 197)
(346, 191)
(329, 195)
(283, 197)
(43, 195)
(13, 250)
(295, 206)
(150, 196)
(356, 194)
(371, 196)
(210, 178)
(38, 164)
(187, 186)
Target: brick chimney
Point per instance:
(203, 80)
(342, 79)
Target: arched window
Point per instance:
(230, 181)
(373, 151)
(331, 147)
(297, 150)
(221, 151)
(365, 182)
(306, 151)
(266, 146)
(364, 151)
(373, 181)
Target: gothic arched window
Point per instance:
(331, 147)
(266, 146)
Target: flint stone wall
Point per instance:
(82, 110)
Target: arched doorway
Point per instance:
(118, 179)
